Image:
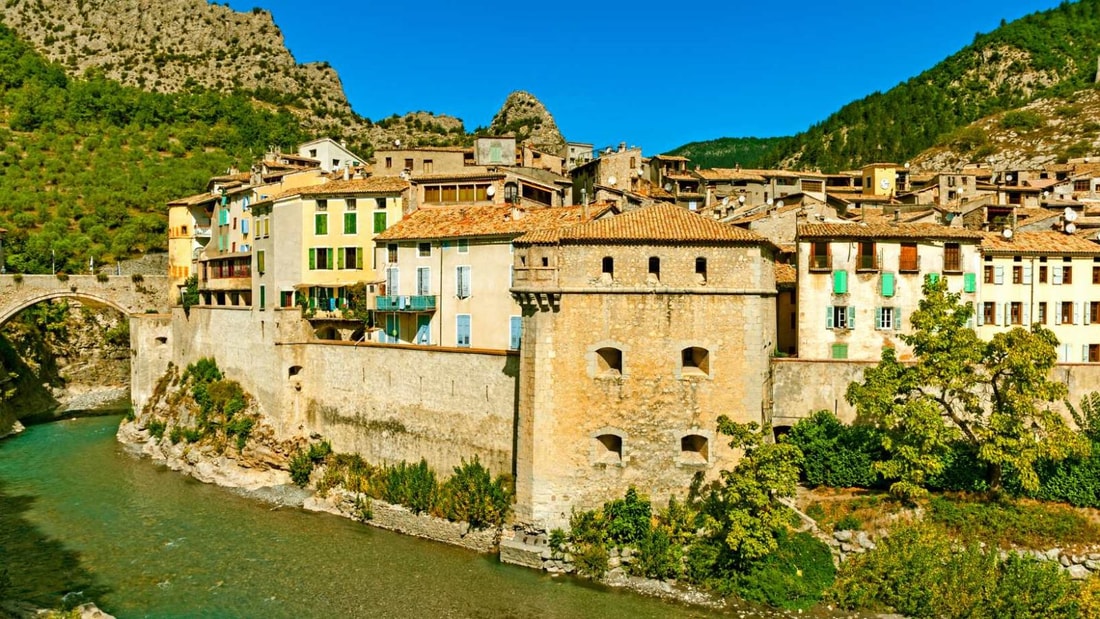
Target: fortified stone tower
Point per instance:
(639, 330)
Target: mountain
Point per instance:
(1043, 54)
(729, 152)
(1047, 130)
(525, 117)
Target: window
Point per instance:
(970, 282)
(819, 256)
(608, 268)
(987, 274)
(840, 282)
(887, 318)
(322, 205)
(515, 331)
(320, 258)
(286, 298)
(840, 317)
(391, 253)
(609, 362)
(393, 281)
(1067, 313)
(1094, 312)
(260, 261)
(263, 296)
(700, 270)
(409, 164)
(379, 222)
(350, 223)
(463, 246)
(952, 258)
(423, 280)
(1017, 274)
(1016, 313)
(695, 360)
(424, 250)
(1042, 275)
(654, 275)
(427, 166)
(1094, 353)
(462, 330)
(462, 282)
(608, 449)
(909, 260)
(351, 258)
(840, 351)
(1042, 312)
(389, 162)
(320, 224)
(1095, 273)
(1067, 274)
(536, 194)
(865, 259)
(694, 449)
(887, 285)
(989, 313)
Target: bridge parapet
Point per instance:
(127, 294)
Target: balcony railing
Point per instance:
(820, 262)
(867, 262)
(406, 303)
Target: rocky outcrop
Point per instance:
(526, 118)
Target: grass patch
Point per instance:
(1009, 523)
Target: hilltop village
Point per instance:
(580, 318)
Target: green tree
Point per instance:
(996, 396)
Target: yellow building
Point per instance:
(448, 271)
(884, 179)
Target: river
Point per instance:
(82, 516)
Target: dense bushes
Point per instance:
(470, 494)
(918, 571)
(837, 455)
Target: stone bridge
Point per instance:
(127, 294)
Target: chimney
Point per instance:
(897, 216)
(622, 147)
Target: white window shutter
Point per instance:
(1077, 313)
(1057, 313)
(878, 317)
(1027, 273)
(1084, 353)
(998, 275)
(851, 317)
(829, 317)
(1086, 315)
(1008, 314)
(897, 318)
(1056, 274)
(1027, 315)
(979, 315)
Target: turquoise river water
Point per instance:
(81, 516)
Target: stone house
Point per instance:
(608, 176)
(859, 283)
(329, 154)
(638, 331)
(1050, 278)
(447, 271)
(422, 160)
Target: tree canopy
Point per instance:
(995, 395)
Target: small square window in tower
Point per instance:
(694, 449)
(609, 362)
(654, 275)
(608, 449)
(607, 275)
(695, 361)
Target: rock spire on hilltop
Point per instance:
(525, 117)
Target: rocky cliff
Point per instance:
(526, 118)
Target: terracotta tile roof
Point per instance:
(660, 223)
(785, 274)
(670, 157)
(372, 184)
(681, 177)
(449, 222)
(885, 231)
(458, 176)
(1038, 243)
(199, 198)
(428, 149)
(728, 174)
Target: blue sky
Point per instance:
(653, 74)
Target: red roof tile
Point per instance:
(885, 231)
(434, 222)
(659, 223)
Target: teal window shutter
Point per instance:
(840, 282)
(312, 258)
(829, 317)
(970, 282)
(851, 317)
(897, 319)
(887, 284)
(878, 317)
(933, 278)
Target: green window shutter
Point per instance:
(887, 284)
(331, 261)
(970, 282)
(829, 317)
(851, 317)
(312, 258)
(933, 278)
(897, 318)
(263, 296)
(359, 257)
(380, 222)
(320, 223)
(260, 261)
(349, 223)
(840, 351)
(340, 258)
(840, 282)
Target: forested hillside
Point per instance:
(87, 165)
(729, 152)
(1051, 52)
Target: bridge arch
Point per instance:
(11, 311)
(127, 295)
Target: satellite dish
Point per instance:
(1071, 228)
(884, 183)
(1046, 194)
(906, 165)
(741, 199)
(770, 202)
(491, 190)
(725, 201)
(668, 186)
(397, 142)
(779, 204)
(1071, 215)
(611, 180)
(1008, 177)
(1007, 233)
